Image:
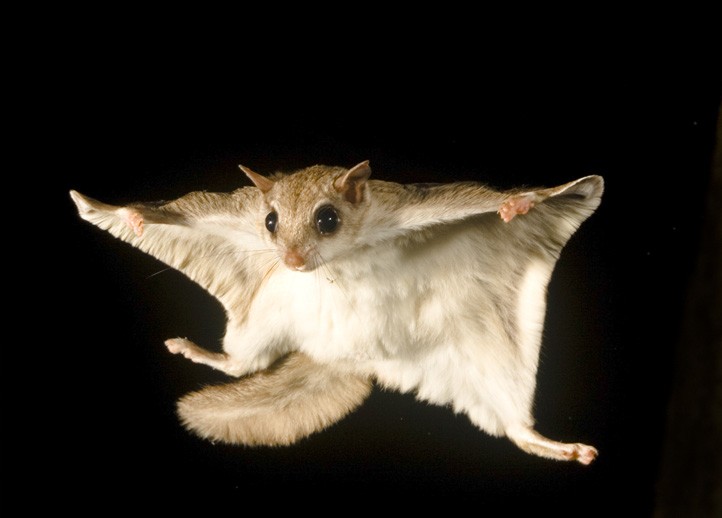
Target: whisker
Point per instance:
(271, 270)
(317, 282)
(159, 272)
(332, 279)
(225, 251)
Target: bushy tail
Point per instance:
(288, 401)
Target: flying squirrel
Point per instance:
(332, 281)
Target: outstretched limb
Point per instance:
(533, 442)
(196, 354)
(413, 207)
(210, 237)
(589, 187)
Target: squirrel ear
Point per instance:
(352, 185)
(263, 183)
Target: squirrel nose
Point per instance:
(294, 259)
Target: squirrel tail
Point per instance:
(290, 400)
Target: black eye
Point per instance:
(271, 222)
(326, 220)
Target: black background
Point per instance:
(95, 390)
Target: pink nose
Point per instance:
(294, 259)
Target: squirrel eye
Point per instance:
(326, 220)
(271, 222)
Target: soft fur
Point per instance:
(421, 288)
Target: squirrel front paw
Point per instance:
(133, 219)
(517, 205)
